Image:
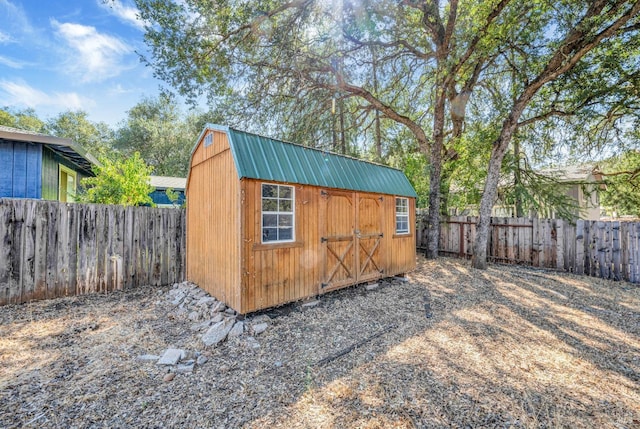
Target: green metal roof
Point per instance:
(263, 158)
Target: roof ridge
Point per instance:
(314, 148)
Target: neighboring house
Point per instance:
(270, 222)
(583, 185)
(579, 182)
(161, 184)
(34, 165)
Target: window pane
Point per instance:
(285, 233)
(285, 206)
(269, 234)
(402, 205)
(269, 220)
(286, 191)
(285, 220)
(269, 205)
(270, 191)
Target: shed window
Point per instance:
(402, 215)
(277, 213)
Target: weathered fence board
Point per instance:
(609, 250)
(50, 249)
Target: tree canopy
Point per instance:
(456, 78)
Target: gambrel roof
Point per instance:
(264, 158)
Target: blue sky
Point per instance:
(59, 55)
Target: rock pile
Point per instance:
(212, 319)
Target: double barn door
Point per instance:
(351, 235)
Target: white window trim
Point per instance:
(403, 215)
(293, 215)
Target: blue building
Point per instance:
(161, 184)
(34, 165)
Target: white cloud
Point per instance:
(14, 18)
(95, 56)
(119, 90)
(128, 14)
(5, 38)
(11, 63)
(22, 94)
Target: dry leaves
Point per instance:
(506, 347)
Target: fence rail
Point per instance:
(609, 250)
(50, 249)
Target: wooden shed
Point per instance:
(270, 222)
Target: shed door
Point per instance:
(369, 236)
(351, 231)
(338, 238)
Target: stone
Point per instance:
(251, 343)
(177, 300)
(236, 331)
(205, 301)
(202, 360)
(171, 357)
(185, 368)
(148, 358)
(261, 319)
(402, 279)
(230, 311)
(218, 307)
(194, 315)
(198, 293)
(259, 328)
(202, 326)
(180, 312)
(277, 364)
(372, 286)
(311, 304)
(168, 377)
(217, 317)
(218, 332)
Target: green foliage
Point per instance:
(622, 181)
(172, 195)
(95, 138)
(156, 130)
(124, 181)
(22, 119)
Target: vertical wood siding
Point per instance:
(213, 221)
(50, 173)
(274, 274)
(20, 170)
(50, 249)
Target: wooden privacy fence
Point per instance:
(50, 249)
(610, 250)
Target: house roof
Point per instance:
(258, 157)
(64, 147)
(175, 183)
(574, 173)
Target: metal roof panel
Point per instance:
(263, 158)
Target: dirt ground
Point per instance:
(453, 347)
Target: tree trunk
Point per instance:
(378, 135)
(433, 220)
(479, 259)
(517, 180)
(343, 139)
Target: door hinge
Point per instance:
(323, 239)
(324, 285)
